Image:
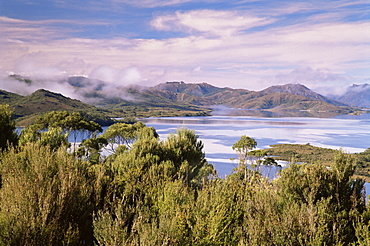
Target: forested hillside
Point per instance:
(164, 192)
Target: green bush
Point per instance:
(46, 198)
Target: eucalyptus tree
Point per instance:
(72, 123)
(258, 154)
(90, 149)
(242, 147)
(68, 122)
(270, 162)
(154, 184)
(122, 134)
(185, 150)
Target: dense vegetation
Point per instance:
(152, 192)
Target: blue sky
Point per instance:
(247, 44)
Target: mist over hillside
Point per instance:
(89, 90)
(356, 95)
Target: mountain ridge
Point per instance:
(280, 97)
(171, 99)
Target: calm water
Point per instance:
(219, 133)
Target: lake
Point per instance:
(220, 132)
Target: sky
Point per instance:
(250, 44)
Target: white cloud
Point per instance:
(122, 77)
(308, 74)
(219, 23)
(321, 80)
(54, 85)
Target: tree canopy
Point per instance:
(54, 128)
(122, 133)
(243, 146)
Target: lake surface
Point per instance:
(219, 133)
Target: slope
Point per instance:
(301, 90)
(26, 108)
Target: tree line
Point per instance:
(164, 192)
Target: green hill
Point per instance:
(43, 100)
(8, 97)
(27, 108)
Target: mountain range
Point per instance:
(180, 98)
(282, 98)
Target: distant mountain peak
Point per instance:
(359, 85)
(300, 90)
(356, 95)
(295, 89)
(287, 88)
(194, 89)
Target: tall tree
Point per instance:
(91, 148)
(243, 146)
(258, 154)
(122, 133)
(69, 123)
